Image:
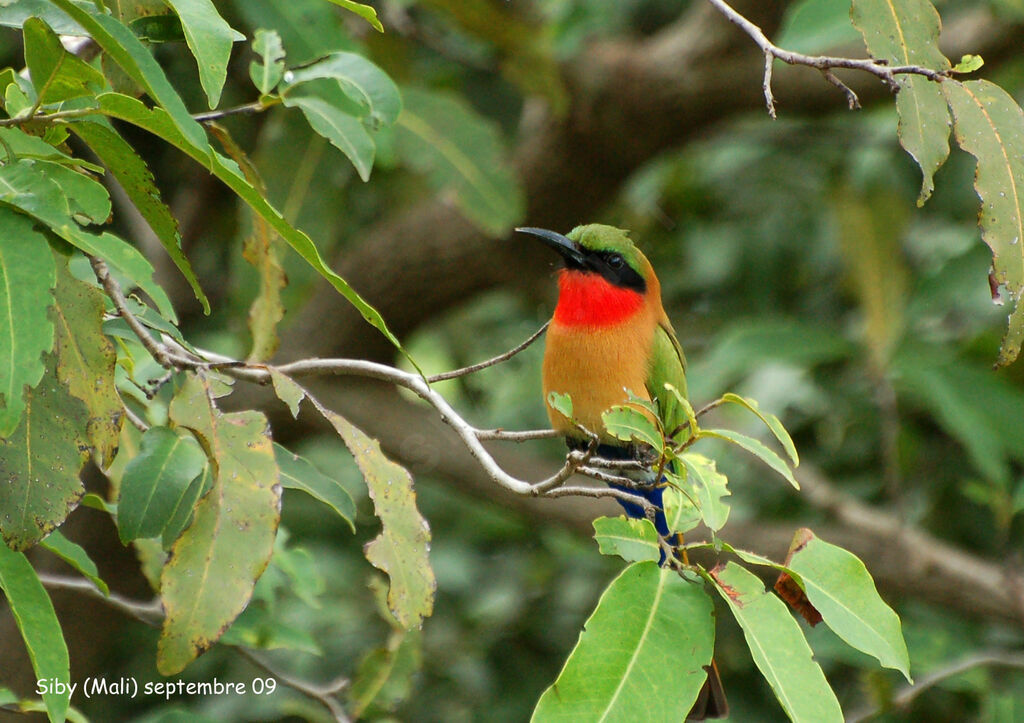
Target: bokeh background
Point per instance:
(797, 269)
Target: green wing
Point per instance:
(668, 364)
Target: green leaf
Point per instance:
(366, 12)
(708, 487)
(401, 550)
(462, 155)
(903, 32)
(816, 26)
(86, 196)
(57, 74)
(631, 539)
(757, 449)
(681, 514)
(209, 38)
(123, 258)
(25, 185)
(32, 147)
(132, 56)
(923, 128)
(155, 482)
(770, 421)
(260, 249)
(266, 75)
(838, 584)
(363, 82)
(27, 274)
(182, 515)
(384, 676)
(14, 14)
(641, 655)
(36, 620)
(287, 390)
(86, 359)
(561, 403)
(74, 555)
(41, 461)
(344, 131)
(137, 181)
(778, 647)
(906, 32)
(990, 126)
(969, 63)
(158, 123)
(214, 565)
(631, 425)
(298, 473)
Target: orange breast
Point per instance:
(595, 366)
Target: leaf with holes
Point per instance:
(27, 274)
(641, 654)
(267, 74)
(216, 561)
(990, 126)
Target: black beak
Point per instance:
(567, 248)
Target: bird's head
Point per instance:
(601, 250)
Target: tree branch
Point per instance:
(879, 68)
(490, 362)
(906, 695)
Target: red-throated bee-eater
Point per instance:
(609, 338)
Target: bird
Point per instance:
(610, 338)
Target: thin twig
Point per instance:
(490, 362)
(151, 612)
(851, 98)
(516, 436)
(879, 68)
(591, 471)
(132, 417)
(113, 289)
(906, 695)
(324, 694)
(247, 108)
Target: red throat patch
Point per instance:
(587, 299)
